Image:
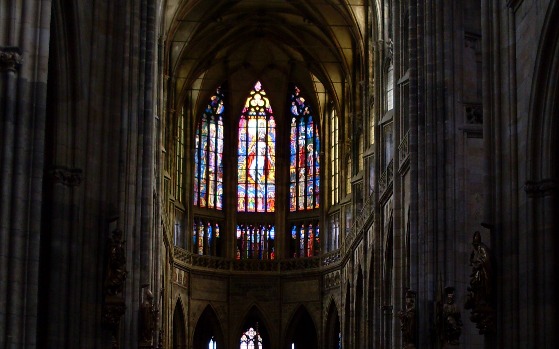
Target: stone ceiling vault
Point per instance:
(276, 41)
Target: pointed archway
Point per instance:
(256, 321)
(359, 328)
(301, 332)
(347, 317)
(208, 328)
(333, 328)
(179, 327)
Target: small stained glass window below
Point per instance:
(251, 339)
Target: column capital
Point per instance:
(541, 187)
(10, 58)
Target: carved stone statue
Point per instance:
(479, 291)
(116, 266)
(148, 315)
(451, 319)
(114, 306)
(408, 321)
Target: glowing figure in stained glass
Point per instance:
(256, 154)
(304, 158)
(208, 155)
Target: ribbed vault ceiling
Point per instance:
(275, 41)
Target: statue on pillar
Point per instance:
(408, 321)
(116, 266)
(148, 316)
(479, 291)
(449, 318)
(114, 306)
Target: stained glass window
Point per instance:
(208, 155)
(256, 241)
(390, 88)
(334, 238)
(206, 237)
(304, 185)
(180, 156)
(212, 344)
(334, 156)
(305, 240)
(251, 339)
(257, 154)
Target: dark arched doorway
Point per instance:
(359, 306)
(208, 329)
(333, 329)
(253, 331)
(179, 328)
(347, 318)
(301, 332)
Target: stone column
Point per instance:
(24, 42)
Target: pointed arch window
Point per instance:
(256, 190)
(208, 155)
(304, 171)
(180, 156)
(334, 157)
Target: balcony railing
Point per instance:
(385, 180)
(404, 149)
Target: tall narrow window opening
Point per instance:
(304, 170)
(305, 239)
(208, 155)
(256, 241)
(179, 192)
(256, 190)
(334, 157)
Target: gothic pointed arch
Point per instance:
(333, 330)
(256, 188)
(179, 327)
(253, 327)
(543, 127)
(208, 328)
(256, 177)
(301, 332)
(542, 179)
(208, 154)
(372, 296)
(359, 328)
(346, 334)
(304, 170)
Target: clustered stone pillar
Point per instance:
(10, 61)
(24, 34)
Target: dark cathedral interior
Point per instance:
(279, 174)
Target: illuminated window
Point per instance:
(390, 88)
(180, 157)
(334, 157)
(304, 168)
(206, 237)
(305, 239)
(256, 188)
(255, 241)
(212, 344)
(251, 339)
(208, 155)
